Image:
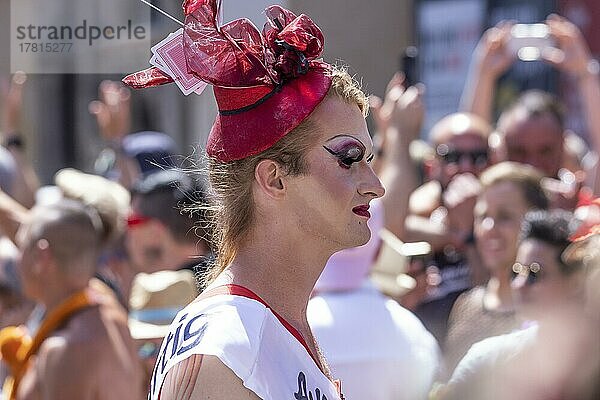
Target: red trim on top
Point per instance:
(237, 290)
(134, 219)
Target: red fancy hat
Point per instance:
(265, 84)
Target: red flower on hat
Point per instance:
(293, 41)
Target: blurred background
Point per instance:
(371, 37)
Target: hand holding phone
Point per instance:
(528, 41)
(409, 66)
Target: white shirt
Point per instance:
(482, 371)
(249, 339)
(378, 349)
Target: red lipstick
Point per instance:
(363, 211)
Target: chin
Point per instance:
(363, 236)
(350, 241)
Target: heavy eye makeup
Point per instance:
(347, 152)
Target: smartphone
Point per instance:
(409, 66)
(527, 41)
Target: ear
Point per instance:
(45, 256)
(269, 176)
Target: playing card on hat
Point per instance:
(169, 57)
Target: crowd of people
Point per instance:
(250, 275)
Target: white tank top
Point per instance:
(236, 326)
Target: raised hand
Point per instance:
(402, 109)
(459, 199)
(112, 110)
(491, 59)
(399, 118)
(492, 55)
(572, 54)
(381, 110)
(13, 102)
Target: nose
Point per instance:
(370, 184)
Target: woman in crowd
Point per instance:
(289, 161)
(559, 345)
(509, 191)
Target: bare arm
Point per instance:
(574, 58)
(12, 215)
(26, 180)
(453, 223)
(64, 372)
(113, 116)
(203, 377)
(490, 60)
(400, 119)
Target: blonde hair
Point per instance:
(525, 177)
(234, 210)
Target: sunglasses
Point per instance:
(452, 156)
(532, 272)
(134, 219)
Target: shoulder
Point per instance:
(60, 356)
(228, 328)
(484, 355)
(403, 316)
(54, 348)
(69, 369)
(471, 297)
(90, 330)
(203, 376)
(467, 302)
(241, 318)
(411, 327)
(221, 314)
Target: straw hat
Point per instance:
(156, 299)
(109, 198)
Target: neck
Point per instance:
(280, 269)
(55, 298)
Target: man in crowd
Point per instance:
(532, 130)
(441, 213)
(162, 234)
(82, 347)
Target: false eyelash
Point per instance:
(344, 159)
